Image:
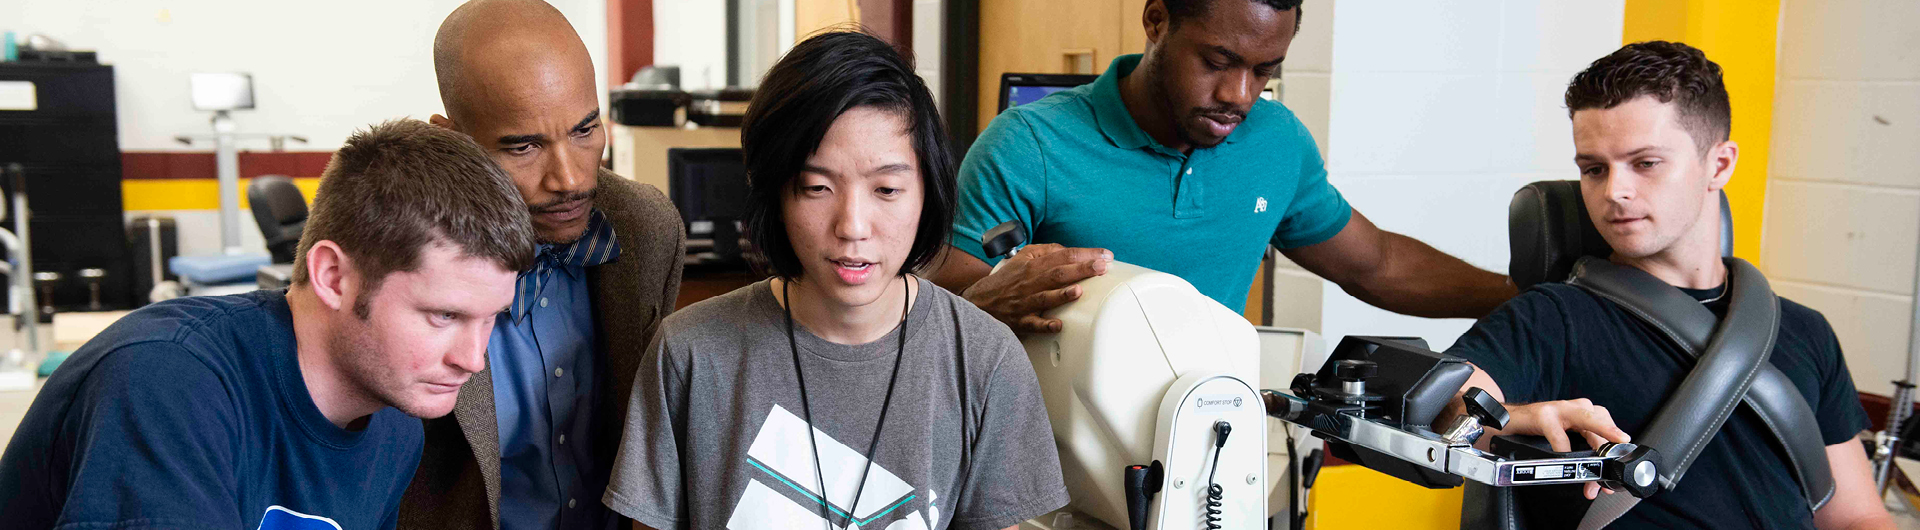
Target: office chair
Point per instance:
(281, 211)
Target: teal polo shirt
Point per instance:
(1077, 171)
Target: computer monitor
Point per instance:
(709, 187)
(1021, 89)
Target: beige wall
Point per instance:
(1843, 204)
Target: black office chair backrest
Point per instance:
(281, 210)
(1548, 230)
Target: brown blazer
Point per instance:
(458, 482)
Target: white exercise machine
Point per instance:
(1158, 402)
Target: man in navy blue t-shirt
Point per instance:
(277, 409)
(1650, 132)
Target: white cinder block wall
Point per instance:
(1307, 89)
(1843, 200)
(1438, 112)
(320, 69)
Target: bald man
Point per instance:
(530, 443)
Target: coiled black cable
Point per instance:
(1214, 491)
(1213, 506)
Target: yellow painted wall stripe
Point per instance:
(1740, 35)
(191, 194)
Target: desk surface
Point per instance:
(70, 331)
(13, 407)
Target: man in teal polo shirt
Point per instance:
(1171, 161)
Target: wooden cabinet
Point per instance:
(812, 16)
(1052, 37)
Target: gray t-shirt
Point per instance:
(716, 436)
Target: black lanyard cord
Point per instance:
(806, 408)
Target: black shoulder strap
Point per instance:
(1732, 368)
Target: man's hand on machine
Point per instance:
(1549, 419)
(1039, 278)
(1554, 419)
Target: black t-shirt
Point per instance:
(1558, 342)
(192, 413)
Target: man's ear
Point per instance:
(1722, 160)
(330, 272)
(442, 122)
(1156, 21)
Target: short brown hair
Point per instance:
(1670, 72)
(401, 185)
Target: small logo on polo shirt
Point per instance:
(1259, 204)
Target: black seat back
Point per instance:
(281, 210)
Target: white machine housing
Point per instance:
(1141, 370)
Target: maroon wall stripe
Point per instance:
(629, 39)
(200, 165)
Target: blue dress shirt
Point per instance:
(542, 354)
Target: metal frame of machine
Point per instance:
(1372, 403)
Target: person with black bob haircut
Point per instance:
(846, 390)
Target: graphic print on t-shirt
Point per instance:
(280, 518)
(782, 492)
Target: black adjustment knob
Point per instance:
(1303, 384)
(1000, 241)
(1637, 473)
(1355, 370)
(1484, 408)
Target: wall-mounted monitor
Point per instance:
(222, 91)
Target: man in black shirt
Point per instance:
(1650, 129)
(294, 409)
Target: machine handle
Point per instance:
(1141, 483)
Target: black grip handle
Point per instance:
(1310, 467)
(1141, 483)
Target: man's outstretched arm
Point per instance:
(1401, 274)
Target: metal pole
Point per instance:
(23, 264)
(1913, 326)
(1887, 442)
(227, 162)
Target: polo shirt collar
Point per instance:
(1110, 111)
